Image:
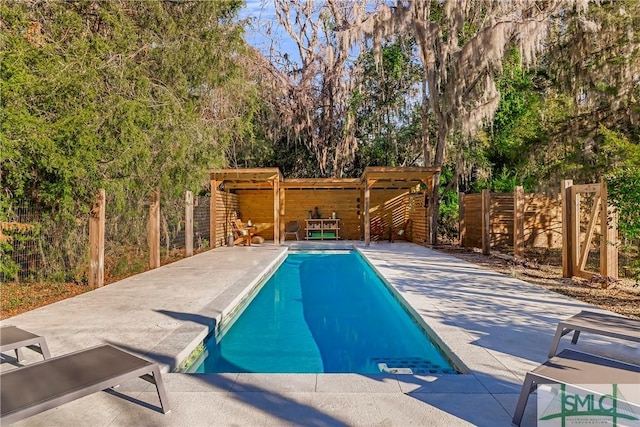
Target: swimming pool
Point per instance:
(322, 312)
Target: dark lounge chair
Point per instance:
(14, 338)
(53, 382)
(292, 227)
(575, 368)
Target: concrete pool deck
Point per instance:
(497, 326)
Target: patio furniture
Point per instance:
(53, 382)
(322, 229)
(14, 338)
(242, 232)
(596, 323)
(401, 232)
(578, 369)
(292, 227)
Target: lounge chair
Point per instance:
(53, 382)
(292, 227)
(579, 369)
(241, 232)
(14, 338)
(596, 323)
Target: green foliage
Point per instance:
(623, 188)
(449, 206)
(517, 123)
(106, 95)
(623, 181)
(386, 112)
(8, 267)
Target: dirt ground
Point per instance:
(541, 268)
(21, 296)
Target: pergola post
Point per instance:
(367, 216)
(213, 213)
(276, 211)
(433, 217)
(360, 205)
(282, 212)
(575, 246)
(486, 222)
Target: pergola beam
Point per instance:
(321, 183)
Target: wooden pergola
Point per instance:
(397, 177)
(229, 179)
(271, 178)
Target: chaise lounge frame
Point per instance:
(596, 323)
(14, 338)
(575, 368)
(35, 388)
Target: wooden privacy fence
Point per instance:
(579, 221)
(371, 207)
(491, 220)
(389, 211)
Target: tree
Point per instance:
(462, 45)
(386, 102)
(593, 66)
(112, 95)
(310, 95)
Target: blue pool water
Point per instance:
(322, 312)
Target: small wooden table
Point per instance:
(596, 323)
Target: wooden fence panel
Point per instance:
(542, 222)
(389, 211)
(227, 207)
(418, 214)
(501, 220)
(344, 202)
(473, 220)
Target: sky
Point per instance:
(265, 29)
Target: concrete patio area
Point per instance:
(497, 328)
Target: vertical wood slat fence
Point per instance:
(492, 220)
